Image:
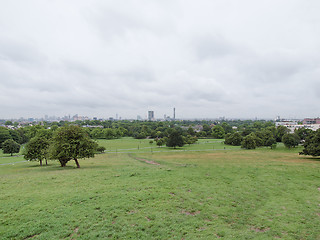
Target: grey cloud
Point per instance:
(206, 58)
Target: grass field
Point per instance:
(201, 191)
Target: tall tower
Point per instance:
(174, 113)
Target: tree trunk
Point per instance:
(46, 162)
(63, 163)
(40, 162)
(78, 165)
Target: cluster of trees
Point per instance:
(176, 139)
(67, 143)
(10, 140)
(42, 139)
(312, 144)
(268, 137)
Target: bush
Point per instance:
(101, 149)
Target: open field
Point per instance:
(200, 192)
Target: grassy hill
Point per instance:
(139, 191)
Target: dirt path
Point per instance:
(144, 160)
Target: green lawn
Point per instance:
(142, 194)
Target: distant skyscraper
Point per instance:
(150, 115)
(174, 113)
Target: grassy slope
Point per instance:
(261, 194)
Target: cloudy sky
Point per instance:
(206, 58)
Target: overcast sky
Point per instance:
(206, 58)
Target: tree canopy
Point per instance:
(290, 140)
(312, 144)
(37, 149)
(71, 143)
(10, 146)
(175, 139)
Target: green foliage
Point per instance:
(281, 130)
(160, 141)
(303, 133)
(71, 143)
(190, 139)
(312, 144)
(218, 132)
(175, 139)
(249, 142)
(4, 135)
(10, 146)
(290, 140)
(101, 149)
(37, 149)
(233, 139)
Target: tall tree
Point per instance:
(312, 144)
(218, 132)
(4, 135)
(290, 140)
(175, 139)
(249, 142)
(72, 143)
(37, 149)
(10, 146)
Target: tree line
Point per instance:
(247, 134)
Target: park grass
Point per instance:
(204, 193)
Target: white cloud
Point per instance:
(206, 58)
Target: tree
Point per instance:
(10, 146)
(249, 142)
(37, 149)
(71, 143)
(312, 144)
(281, 130)
(303, 133)
(4, 135)
(218, 132)
(290, 140)
(175, 139)
(160, 142)
(101, 149)
(233, 139)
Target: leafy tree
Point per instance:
(312, 144)
(190, 139)
(8, 123)
(227, 128)
(101, 149)
(290, 140)
(175, 139)
(303, 133)
(271, 142)
(249, 142)
(141, 135)
(71, 143)
(190, 131)
(281, 130)
(37, 149)
(15, 136)
(4, 135)
(206, 128)
(10, 146)
(233, 139)
(97, 133)
(160, 142)
(218, 132)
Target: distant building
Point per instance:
(150, 115)
(308, 123)
(311, 121)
